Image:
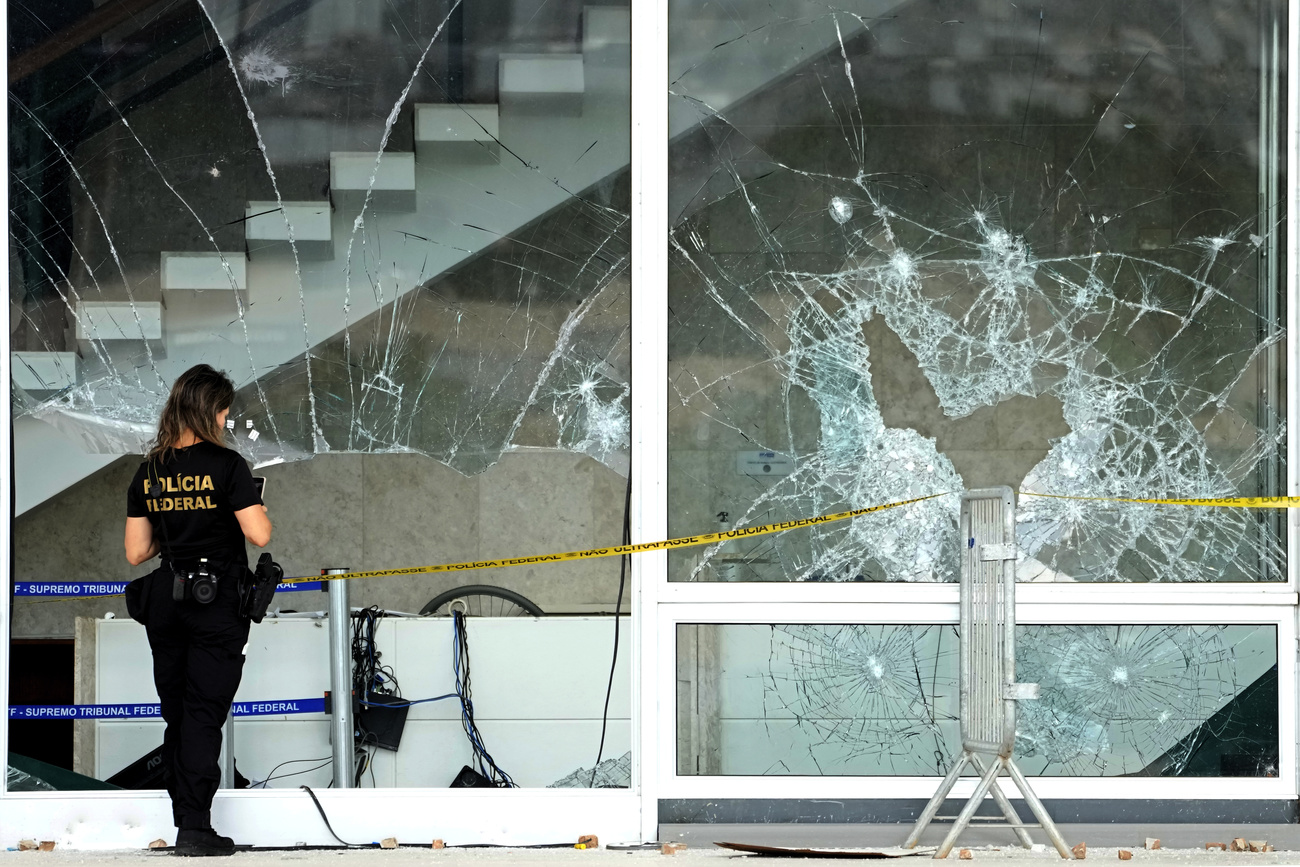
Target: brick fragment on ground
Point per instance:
(1239, 844)
(1080, 851)
(1258, 845)
(1222, 847)
(46, 846)
(1125, 855)
(965, 855)
(590, 841)
(160, 843)
(437, 844)
(671, 848)
(26, 845)
(1151, 843)
(388, 843)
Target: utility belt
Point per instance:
(200, 579)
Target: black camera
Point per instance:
(200, 584)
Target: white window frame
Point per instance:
(1221, 604)
(286, 816)
(672, 785)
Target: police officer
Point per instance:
(194, 502)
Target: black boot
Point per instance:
(202, 841)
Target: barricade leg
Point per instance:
(937, 801)
(1039, 811)
(1013, 818)
(964, 817)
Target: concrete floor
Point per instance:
(1181, 844)
(1283, 837)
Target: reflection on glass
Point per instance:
(1188, 701)
(403, 229)
(918, 252)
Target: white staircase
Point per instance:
(459, 190)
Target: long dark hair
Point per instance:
(198, 395)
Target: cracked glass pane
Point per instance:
(402, 227)
(927, 246)
(1131, 700)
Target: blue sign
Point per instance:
(151, 711)
(69, 588)
(97, 589)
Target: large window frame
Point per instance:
(285, 816)
(901, 603)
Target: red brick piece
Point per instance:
(1080, 851)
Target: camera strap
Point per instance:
(156, 494)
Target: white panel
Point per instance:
(118, 743)
(204, 271)
(43, 371)
(536, 753)
(561, 675)
(286, 659)
(606, 27)
(119, 320)
(445, 122)
(539, 691)
(265, 222)
(123, 663)
(351, 170)
(264, 744)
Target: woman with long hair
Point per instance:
(193, 501)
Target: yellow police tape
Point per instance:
(746, 532)
(619, 550)
(1228, 502)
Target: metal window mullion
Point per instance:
(6, 465)
(649, 400)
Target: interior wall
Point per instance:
(362, 512)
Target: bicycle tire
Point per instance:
(527, 608)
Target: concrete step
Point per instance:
(392, 188)
(43, 371)
(457, 132)
(221, 271)
(120, 320)
(266, 228)
(542, 84)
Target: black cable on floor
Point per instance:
(618, 607)
(326, 820)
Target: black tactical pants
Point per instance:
(198, 659)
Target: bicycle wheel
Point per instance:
(482, 600)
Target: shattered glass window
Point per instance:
(402, 227)
(920, 247)
(1128, 700)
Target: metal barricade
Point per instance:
(989, 691)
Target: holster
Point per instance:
(258, 587)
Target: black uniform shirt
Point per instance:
(202, 486)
